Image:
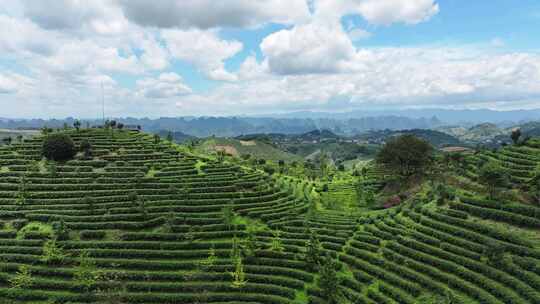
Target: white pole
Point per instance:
(102, 103)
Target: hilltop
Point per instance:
(253, 148)
(138, 219)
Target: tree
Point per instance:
(210, 260)
(369, 198)
(170, 137)
(7, 140)
(86, 148)
(515, 135)
(251, 241)
(120, 126)
(86, 275)
(77, 125)
(23, 279)
(227, 214)
(494, 176)
(276, 242)
(52, 253)
(328, 280)
(239, 276)
(61, 230)
(312, 256)
(157, 139)
(269, 169)
(46, 130)
(405, 155)
(58, 147)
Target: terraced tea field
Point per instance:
(143, 222)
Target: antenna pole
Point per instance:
(102, 103)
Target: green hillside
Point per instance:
(144, 221)
(254, 148)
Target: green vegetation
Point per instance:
(405, 155)
(143, 220)
(58, 147)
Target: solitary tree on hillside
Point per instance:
(156, 139)
(58, 147)
(86, 148)
(516, 134)
(329, 281)
(7, 140)
(405, 155)
(77, 125)
(494, 176)
(312, 255)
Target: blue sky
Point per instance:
(173, 58)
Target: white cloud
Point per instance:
(391, 11)
(167, 85)
(204, 49)
(155, 56)
(206, 14)
(99, 16)
(309, 48)
(381, 77)
(80, 56)
(19, 37)
(378, 12)
(7, 85)
(68, 49)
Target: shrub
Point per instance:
(58, 147)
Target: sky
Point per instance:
(61, 58)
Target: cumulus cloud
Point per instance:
(378, 12)
(100, 16)
(155, 56)
(21, 37)
(68, 49)
(204, 49)
(309, 48)
(167, 85)
(382, 77)
(205, 14)
(323, 46)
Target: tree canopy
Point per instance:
(405, 155)
(58, 147)
(494, 176)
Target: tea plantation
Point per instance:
(141, 220)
